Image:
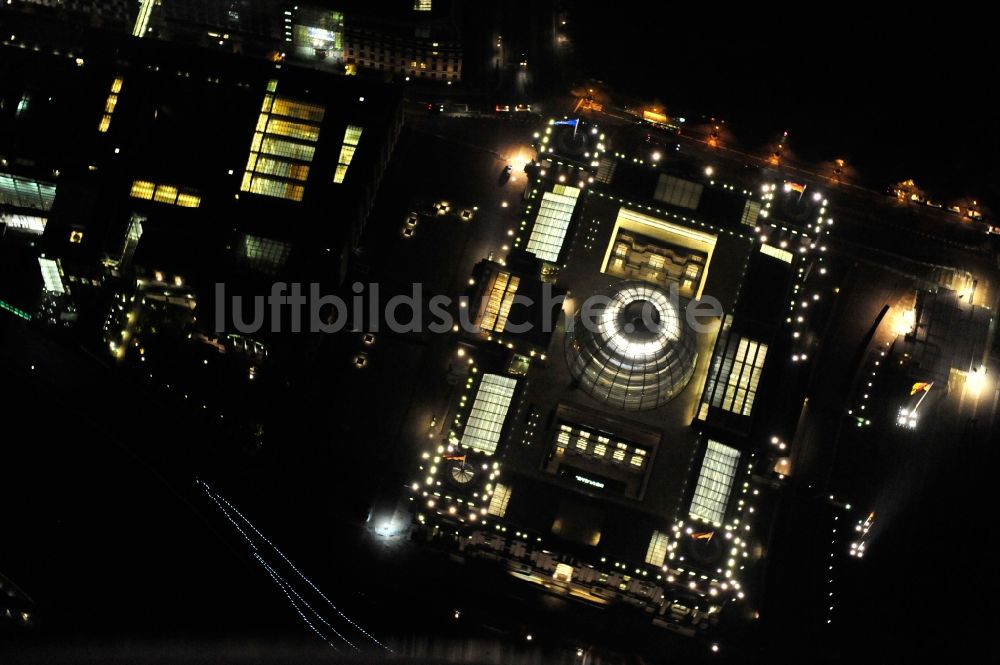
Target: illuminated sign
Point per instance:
(587, 481)
(318, 34)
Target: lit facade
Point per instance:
(627, 452)
(149, 147)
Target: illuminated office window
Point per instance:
(188, 200)
(734, 374)
(276, 188)
(22, 192)
(489, 411)
(264, 254)
(576, 438)
(283, 169)
(352, 136)
(499, 500)
(165, 194)
(287, 149)
(109, 105)
(282, 146)
(715, 482)
(161, 193)
(776, 252)
(750, 213)
(300, 110)
(657, 261)
(51, 276)
(498, 306)
(552, 221)
(740, 376)
(143, 189)
(293, 130)
(422, 5)
(656, 553)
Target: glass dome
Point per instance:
(633, 351)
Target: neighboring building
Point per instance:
(252, 27)
(111, 14)
(260, 168)
(415, 39)
(419, 40)
(399, 38)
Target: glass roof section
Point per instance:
(632, 351)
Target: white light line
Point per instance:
(281, 582)
(302, 600)
(292, 565)
(278, 581)
(142, 20)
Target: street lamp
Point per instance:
(976, 380)
(908, 417)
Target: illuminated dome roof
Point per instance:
(634, 352)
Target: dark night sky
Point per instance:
(900, 91)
